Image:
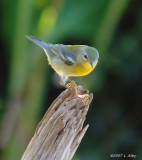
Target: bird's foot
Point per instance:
(72, 86)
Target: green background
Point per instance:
(28, 85)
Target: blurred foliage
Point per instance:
(28, 85)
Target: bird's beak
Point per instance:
(94, 63)
(39, 42)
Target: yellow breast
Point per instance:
(83, 69)
(76, 70)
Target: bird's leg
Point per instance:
(73, 89)
(69, 88)
(72, 85)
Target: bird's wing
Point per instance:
(62, 52)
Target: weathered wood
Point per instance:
(60, 132)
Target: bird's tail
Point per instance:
(39, 42)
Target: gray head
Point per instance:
(90, 54)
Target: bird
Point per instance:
(69, 60)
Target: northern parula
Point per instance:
(69, 60)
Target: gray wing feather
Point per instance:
(62, 52)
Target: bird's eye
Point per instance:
(85, 57)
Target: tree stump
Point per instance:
(60, 131)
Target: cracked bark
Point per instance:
(60, 131)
